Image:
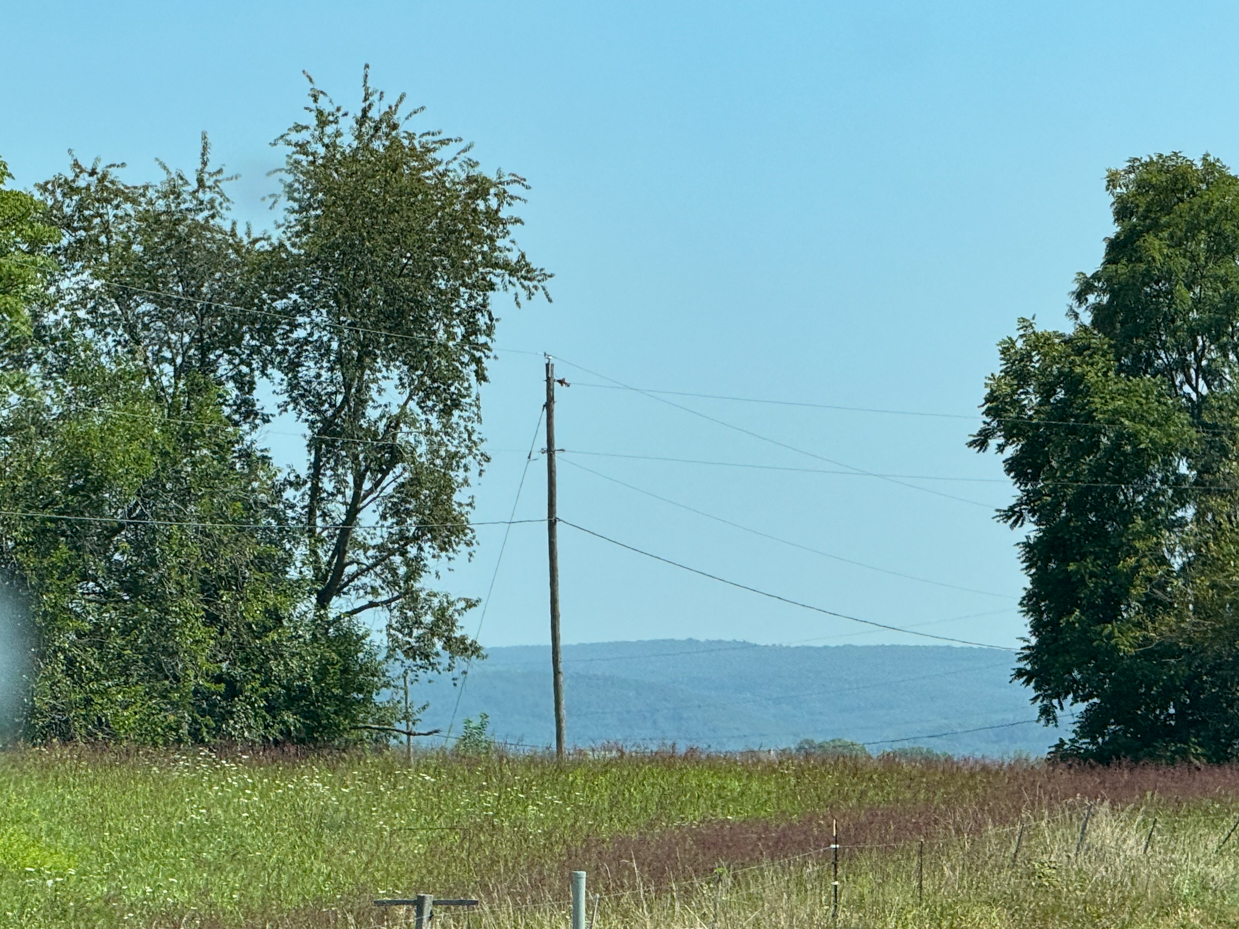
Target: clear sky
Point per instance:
(822, 203)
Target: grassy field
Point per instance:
(198, 839)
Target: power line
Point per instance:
(781, 599)
(464, 678)
(348, 327)
(20, 514)
(776, 442)
(788, 542)
(800, 403)
(921, 625)
(1220, 488)
(764, 467)
(745, 751)
(943, 735)
(159, 418)
(865, 409)
(914, 738)
(263, 431)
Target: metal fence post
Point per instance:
(1088, 812)
(1019, 839)
(423, 910)
(834, 869)
(578, 900)
(1228, 835)
(920, 872)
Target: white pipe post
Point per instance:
(578, 900)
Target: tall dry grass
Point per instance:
(966, 880)
(186, 839)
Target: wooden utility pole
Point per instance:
(552, 545)
(408, 722)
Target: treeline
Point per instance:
(177, 585)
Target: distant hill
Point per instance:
(733, 695)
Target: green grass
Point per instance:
(147, 839)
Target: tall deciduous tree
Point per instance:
(1121, 438)
(139, 514)
(182, 587)
(394, 245)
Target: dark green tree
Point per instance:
(1120, 437)
(176, 612)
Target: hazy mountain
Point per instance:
(731, 695)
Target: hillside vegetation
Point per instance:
(182, 839)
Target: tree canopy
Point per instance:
(1120, 436)
(184, 586)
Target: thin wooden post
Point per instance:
(1149, 840)
(1088, 812)
(578, 900)
(718, 893)
(552, 546)
(1228, 835)
(408, 721)
(1019, 839)
(834, 869)
(423, 910)
(920, 872)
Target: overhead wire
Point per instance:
(159, 418)
(943, 735)
(30, 514)
(1219, 488)
(800, 403)
(768, 439)
(512, 521)
(656, 740)
(369, 330)
(778, 597)
(464, 678)
(767, 467)
(864, 409)
(782, 541)
(263, 430)
(509, 523)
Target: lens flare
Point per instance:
(15, 654)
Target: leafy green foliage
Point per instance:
(475, 739)
(25, 237)
(389, 255)
(832, 748)
(916, 754)
(181, 586)
(1120, 437)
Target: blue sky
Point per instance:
(837, 204)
